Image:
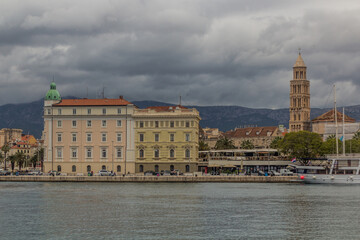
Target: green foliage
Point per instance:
(203, 146)
(330, 137)
(20, 159)
(303, 145)
(356, 136)
(247, 144)
(275, 144)
(5, 149)
(224, 143)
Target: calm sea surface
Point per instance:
(178, 211)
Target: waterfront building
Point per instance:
(299, 98)
(9, 134)
(260, 137)
(325, 124)
(166, 138)
(84, 135)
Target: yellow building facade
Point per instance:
(166, 138)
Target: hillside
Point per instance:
(28, 116)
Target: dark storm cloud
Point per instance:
(209, 52)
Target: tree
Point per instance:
(12, 160)
(224, 143)
(20, 159)
(356, 136)
(38, 157)
(275, 144)
(247, 144)
(303, 145)
(203, 146)
(5, 149)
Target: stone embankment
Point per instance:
(152, 179)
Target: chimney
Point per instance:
(121, 97)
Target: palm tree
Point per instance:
(224, 143)
(5, 149)
(12, 160)
(203, 146)
(20, 159)
(356, 136)
(247, 144)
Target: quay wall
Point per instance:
(152, 179)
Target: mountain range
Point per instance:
(29, 116)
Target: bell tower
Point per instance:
(299, 98)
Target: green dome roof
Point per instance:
(53, 94)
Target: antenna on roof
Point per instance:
(103, 92)
(299, 51)
(180, 100)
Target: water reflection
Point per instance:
(177, 211)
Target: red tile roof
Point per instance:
(166, 108)
(329, 117)
(93, 102)
(250, 132)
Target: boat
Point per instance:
(337, 170)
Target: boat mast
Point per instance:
(343, 140)
(336, 124)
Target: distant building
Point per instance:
(325, 124)
(260, 137)
(166, 138)
(211, 133)
(299, 98)
(9, 135)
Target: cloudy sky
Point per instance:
(209, 52)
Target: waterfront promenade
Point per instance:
(190, 179)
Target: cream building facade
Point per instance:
(84, 135)
(166, 138)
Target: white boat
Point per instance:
(341, 171)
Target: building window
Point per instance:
(141, 124)
(187, 137)
(103, 167)
(141, 168)
(59, 137)
(59, 111)
(104, 153)
(88, 137)
(103, 123)
(156, 137)
(118, 123)
(59, 153)
(88, 152)
(89, 111)
(89, 123)
(74, 137)
(59, 123)
(172, 136)
(187, 168)
(156, 168)
(172, 153)
(118, 153)
(88, 168)
(103, 137)
(156, 153)
(171, 167)
(118, 137)
(118, 168)
(141, 153)
(156, 124)
(187, 124)
(74, 123)
(119, 110)
(74, 111)
(187, 153)
(73, 168)
(141, 137)
(59, 168)
(171, 124)
(104, 110)
(74, 152)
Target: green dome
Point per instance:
(53, 94)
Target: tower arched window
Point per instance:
(118, 168)
(156, 168)
(141, 168)
(141, 153)
(88, 168)
(73, 168)
(172, 153)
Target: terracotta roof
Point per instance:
(93, 102)
(26, 137)
(166, 108)
(250, 132)
(329, 117)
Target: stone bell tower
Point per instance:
(299, 98)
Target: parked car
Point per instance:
(286, 172)
(274, 173)
(4, 173)
(165, 173)
(104, 172)
(54, 173)
(35, 172)
(149, 173)
(261, 173)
